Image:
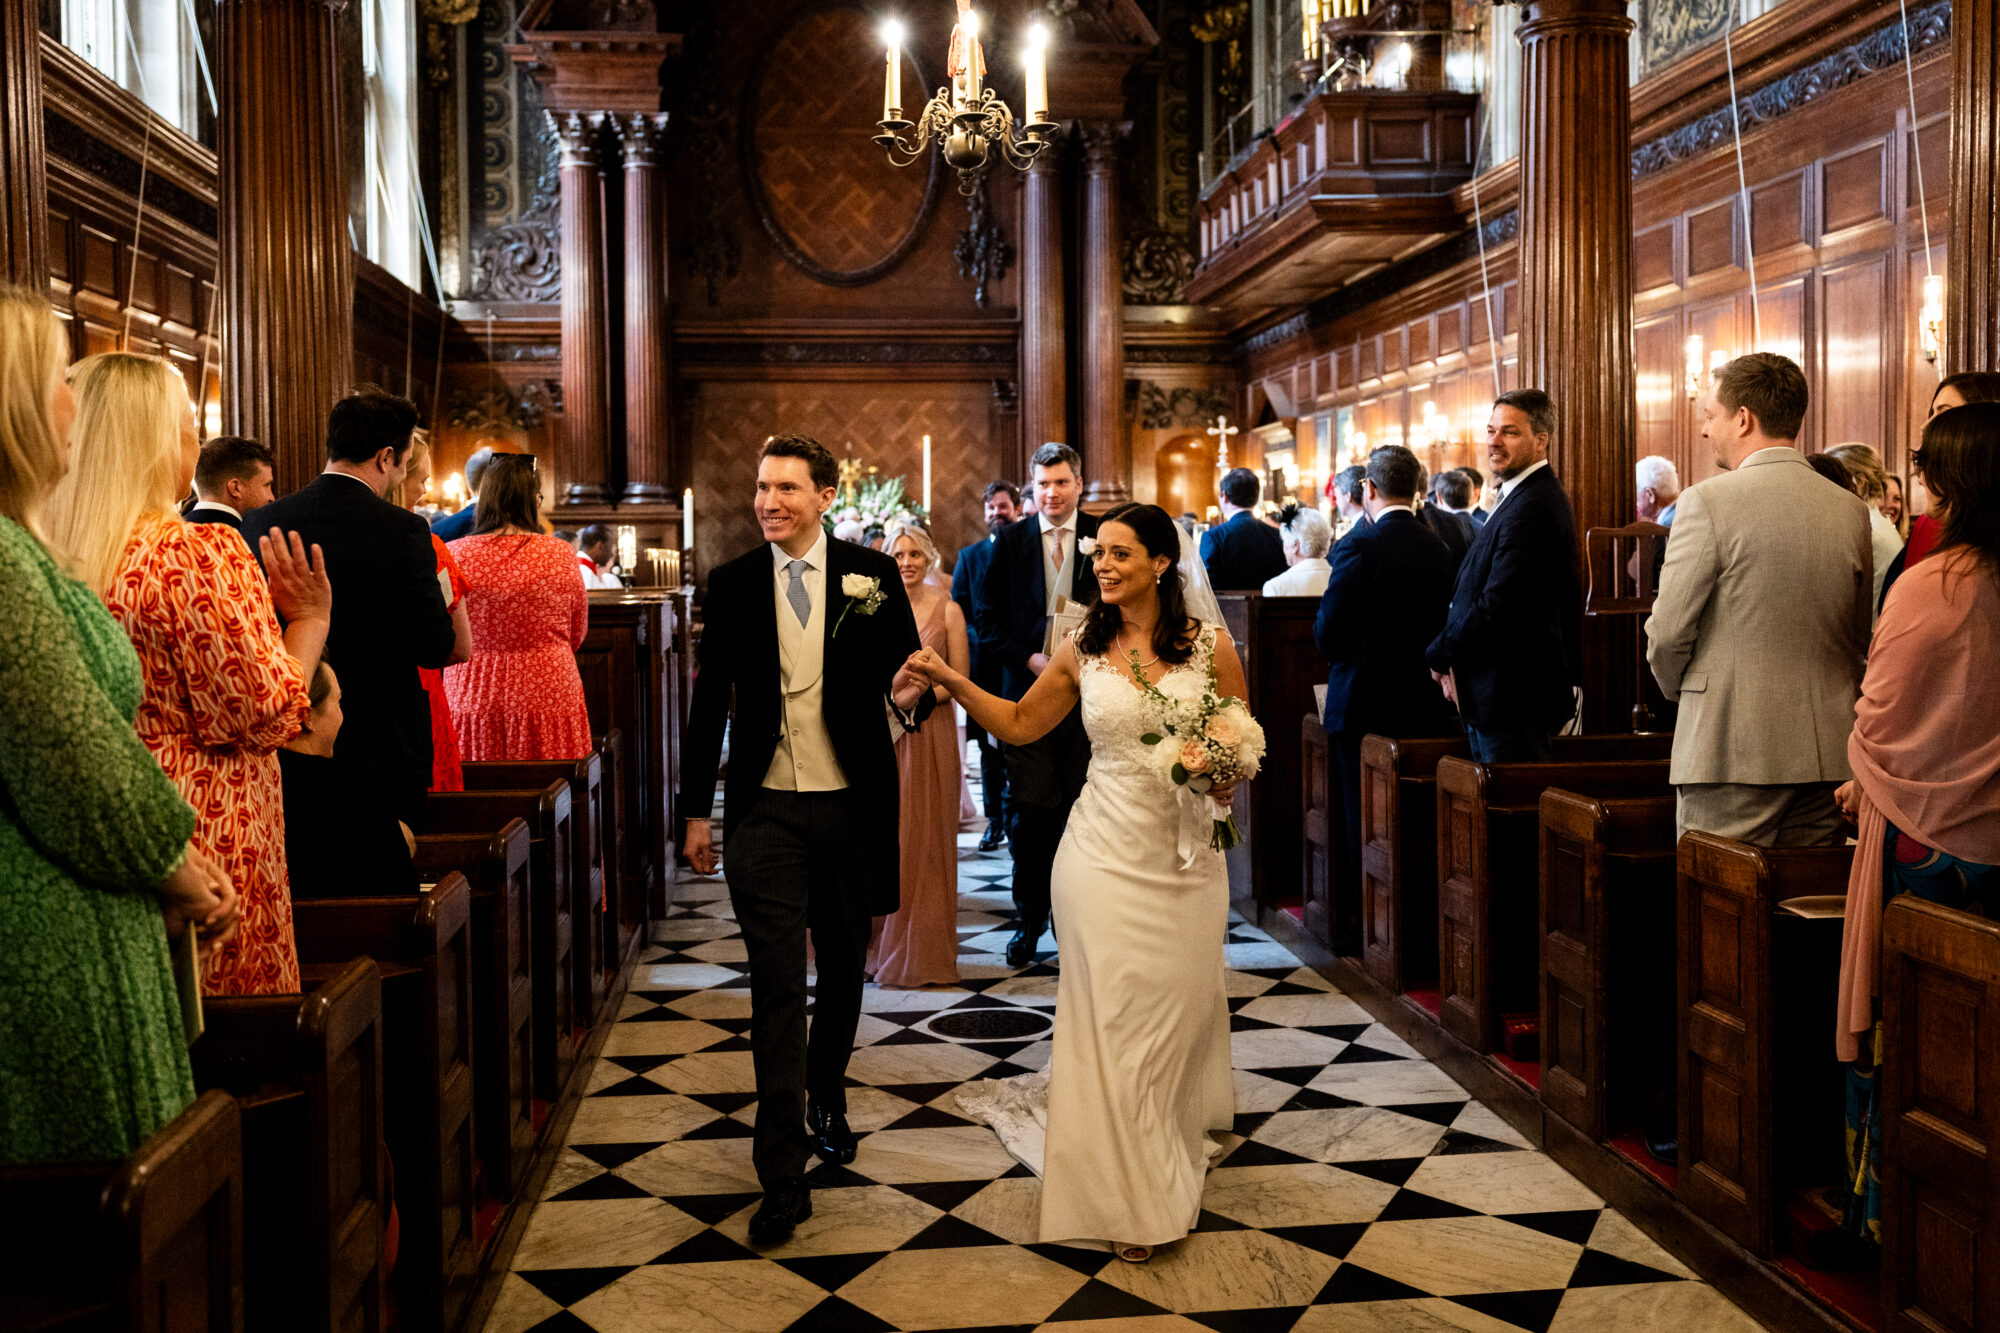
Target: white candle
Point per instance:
(892, 88)
(927, 476)
(1038, 72)
(687, 519)
(968, 92)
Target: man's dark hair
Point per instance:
(1832, 469)
(1771, 386)
(1395, 472)
(228, 458)
(1053, 453)
(475, 467)
(512, 495)
(819, 459)
(1475, 476)
(1002, 487)
(366, 422)
(1452, 489)
(1347, 482)
(1539, 407)
(593, 535)
(1241, 488)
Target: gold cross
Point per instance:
(850, 473)
(1222, 430)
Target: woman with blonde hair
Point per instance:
(97, 873)
(1870, 481)
(447, 768)
(224, 688)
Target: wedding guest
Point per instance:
(1926, 756)
(520, 696)
(1869, 480)
(1833, 470)
(1659, 490)
(1241, 551)
(451, 527)
(593, 557)
(1306, 535)
(1892, 505)
(1477, 480)
(97, 868)
(1761, 622)
(1511, 654)
(232, 477)
(918, 944)
(224, 687)
(389, 614)
(1452, 528)
(1346, 487)
(447, 766)
(342, 841)
(1003, 506)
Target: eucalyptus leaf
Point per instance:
(1180, 775)
(1150, 738)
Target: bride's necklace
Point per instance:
(1129, 653)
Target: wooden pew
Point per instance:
(625, 907)
(635, 674)
(306, 1072)
(1607, 919)
(1399, 859)
(423, 947)
(548, 814)
(495, 865)
(1487, 821)
(1319, 820)
(587, 879)
(153, 1242)
(1760, 1090)
(1940, 1090)
(1274, 638)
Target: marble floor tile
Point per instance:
(1327, 1009)
(860, 1220)
(720, 951)
(683, 976)
(711, 1004)
(636, 1119)
(1240, 984)
(744, 1296)
(1501, 1182)
(1314, 1194)
(871, 1029)
(1349, 1134)
(1428, 1315)
(1265, 953)
(1038, 991)
(708, 1071)
(1388, 1083)
(1225, 1270)
(1453, 1256)
(1477, 1119)
(603, 1074)
(938, 1062)
(571, 1169)
(979, 1286)
(519, 1307)
(906, 1156)
(682, 930)
(1650, 1307)
(887, 999)
(1256, 1094)
(1615, 1235)
(1281, 1048)
(1381, 1039)
(668, 1038)
(630, 1004)
(1010, 1209)
(602, 1233)
(694, 1166)
(1145, 1323)
(868, 1109)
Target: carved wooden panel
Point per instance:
(1853, 407)
(1713, 238)
(1392, 351)
(1781, 322)
(1855, 187)
(1778, 213)
(1451, 330)
(1420, 341)
(1658, 356)
(1653, 258)
(1399, 141)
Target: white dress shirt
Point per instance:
(804, 760)
(1065, 534)
(1308, 578)
(1513, 483)
(220, 508)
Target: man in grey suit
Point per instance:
(1762, 620)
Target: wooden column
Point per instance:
(1044, 404)
(24, 211)
(1972, 266)
(648, 340)
(1576, 282)
(580, 469)
(1107, 445)
(287, 261)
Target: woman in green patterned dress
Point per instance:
(95, 866)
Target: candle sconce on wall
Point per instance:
(1931, 321)
(967, 119)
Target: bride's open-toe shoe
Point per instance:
(1135, 1254)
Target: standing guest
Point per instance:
(1868, 479)
(232, 477)
(1511, 654)
(447, 766)
(520, 696)
(389, 614)
(1477, 480)
(1306, 535)
(1659, 490)
(224, 687)
(1034, 565)
(1833, 470)
(1241, 551)
(451, 527)
(97, 870)
(341, 841)
(1893, 508)
(1347, 501)
(1003, 506)
(1449, 525)
(918, 944)
(1969, 386)
(593, 557)
(1387, 593)
(1761, 623)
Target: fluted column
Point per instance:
(24, 212)
(1972, 265)
(287, 262)
(580, 469)
(648, 346)
(1107, 445)
(1044, 403)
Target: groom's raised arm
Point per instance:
(708, 710)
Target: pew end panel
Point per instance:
(1465, 950)
(1281, 664)
(1318, 818)
(1399, 850)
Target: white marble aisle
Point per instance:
(1367, 1191)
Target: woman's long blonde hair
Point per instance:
(420, 447)
(130, 411)
(32, 357)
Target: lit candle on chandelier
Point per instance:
(892, 87)
(968, 89)
(687, 519)
(1038, 73)
(927, 477)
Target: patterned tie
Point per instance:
(1056, 547)
(797, 595)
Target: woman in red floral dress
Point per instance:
(224, 686)
(520, 696)
(447, 771)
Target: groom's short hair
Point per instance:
(819, 459)
(1052, 453)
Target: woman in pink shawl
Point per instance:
(1926, 754)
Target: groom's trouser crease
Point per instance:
(1043, 780)
(786, 862)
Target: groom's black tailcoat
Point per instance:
(824, 861)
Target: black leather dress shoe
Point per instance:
(1664, 1148)
(832, 1140)
(784, 1207)
(990, 840)
(1021, 949)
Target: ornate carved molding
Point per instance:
(1166, 409)
(522, 261)
(1281, 332)
(112, 165)
(983, 252)
(844, 353)
(1102, 143)
(1157, 268)
(498, 407)
(642, 136)
(579, 134)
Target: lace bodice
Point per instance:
(1116, 714)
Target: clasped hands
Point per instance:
(201, 892)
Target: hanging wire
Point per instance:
(145, 165)
(1479, 230)
(1916, 153)
(200, 53)
(1742, 185)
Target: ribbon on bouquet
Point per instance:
(1199, 814)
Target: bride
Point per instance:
(1140, 1076)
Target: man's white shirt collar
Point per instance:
(1511, 484)
(815, 558)
(1067, 525)
(1387, 510)
(220, 508)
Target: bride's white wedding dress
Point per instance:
(1119, 1126)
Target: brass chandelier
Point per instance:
(967, 119)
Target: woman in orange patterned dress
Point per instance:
(224, 688)
(447, 771)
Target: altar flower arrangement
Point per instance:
(872, 504)
(1198, 744)
(864, 594)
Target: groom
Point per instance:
(803, 641)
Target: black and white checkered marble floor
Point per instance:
(1366, 1191)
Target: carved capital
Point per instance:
(643, 137)
(1102, 141)
(577, 134)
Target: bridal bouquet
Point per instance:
(1198, 744)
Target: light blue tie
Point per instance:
(797, 595)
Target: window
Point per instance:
(144, 46)
(388, 229)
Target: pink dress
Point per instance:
(918, 946)
(520, 696)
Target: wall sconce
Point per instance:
(628, 548)
(1693, 366)
(1932, 319)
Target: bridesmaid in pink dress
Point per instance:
(918, 946)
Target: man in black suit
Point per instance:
(1385, 600)
(1003, 506)
(1242, 551)
(232, 477)
(1033, 563)
(1454, 529)
(1511, 654)
(803, 641)
(1477, 480)
(389, 616)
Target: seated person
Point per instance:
(340, 842)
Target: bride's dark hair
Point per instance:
(1173, 633)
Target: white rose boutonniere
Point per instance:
(864, 594)
(1087, 548)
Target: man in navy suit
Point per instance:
(1477, 480)
(1003, 506)
(450, 527)
(1243, 551)
(1511, 654)
(1386, 599)
(232, 477)
(1033, 562)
